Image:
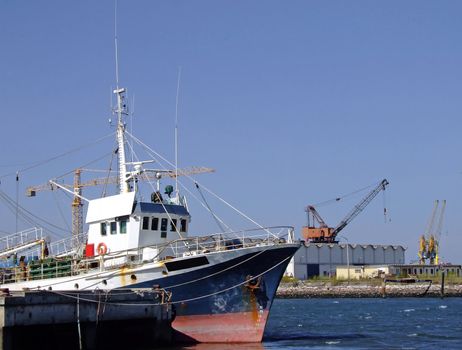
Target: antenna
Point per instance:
(17, 199)
(176, 129)
(116, 48)
(132, 113)
(120, 111)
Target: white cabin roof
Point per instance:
(110, 207)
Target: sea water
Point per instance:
(391, 323)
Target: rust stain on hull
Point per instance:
(240, 327)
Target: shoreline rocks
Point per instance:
(365, 290)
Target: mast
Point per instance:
(121, 110)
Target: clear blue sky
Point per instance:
(291, 102)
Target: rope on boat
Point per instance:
(200, 278)
(170, 287)
(69, 295)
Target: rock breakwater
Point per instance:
(365, 290)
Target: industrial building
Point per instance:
(401, 270)
(425, 270)
(322, 259)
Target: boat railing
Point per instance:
(60, 264)
(20, 239)
(191, 246)
(67, 246)
(64, 247)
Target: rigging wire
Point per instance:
(188, 176)
(12, 208)
(23, 211)
(204, 203)
(43, 162)
(104, 192)
(208, 207)
(84, 165)
(235, 209)
(154, 189)
(60, 210)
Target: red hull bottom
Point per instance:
(240, 327)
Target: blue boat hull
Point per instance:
(228, 301)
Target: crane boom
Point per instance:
(360, 206)
(439, 228)
(148, 176)
(312, 210)
(429, 241)
(326, 234)
(431, 222)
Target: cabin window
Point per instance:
(163, 228)
(113, 228)
(183, 225)
(155, 224)
(123, 226)
(145, 223)
(103, 229)
(173, 225)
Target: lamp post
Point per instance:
(348, 257)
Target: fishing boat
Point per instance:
(221, 285)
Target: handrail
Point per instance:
(21, 237)
(70, 265)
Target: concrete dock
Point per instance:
(132, 318)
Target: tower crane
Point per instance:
(76, 187)
(322, 233)
(429, 241)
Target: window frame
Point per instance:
(123, 226)
(155, 220)
(163, 227)
(103, 229)
(173, 224)
(145, 223)
(113, 227)
(183, 225)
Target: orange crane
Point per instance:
(76, 188)
(322, 233)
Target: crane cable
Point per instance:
(337, 199)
